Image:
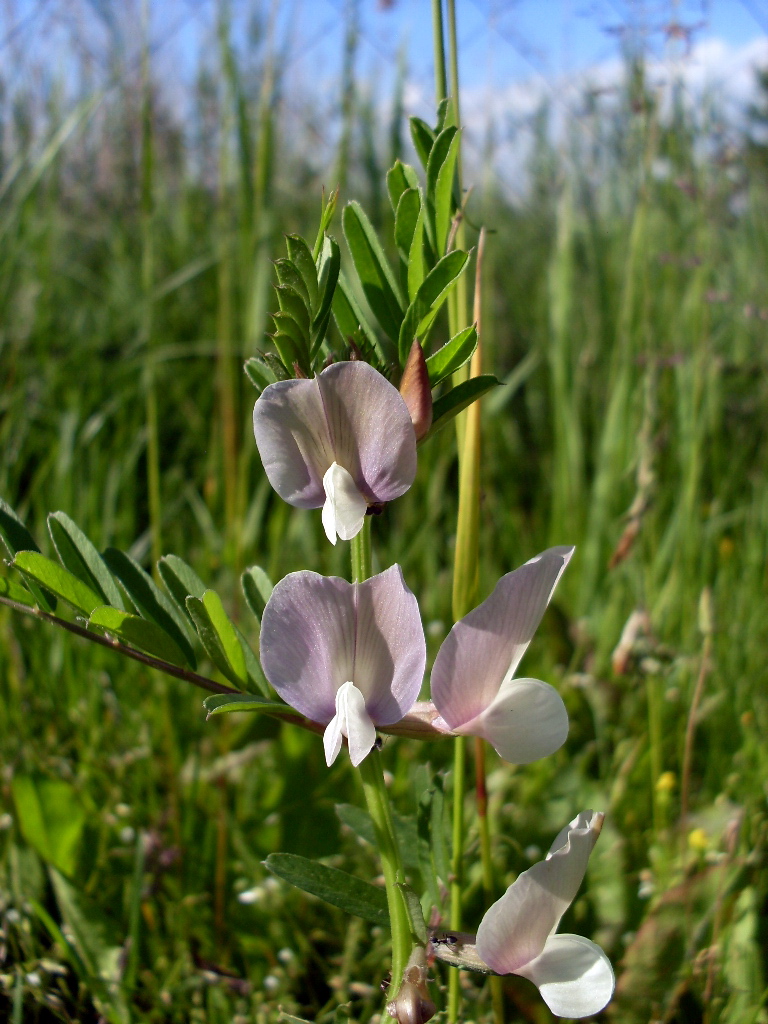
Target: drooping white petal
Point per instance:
(514, 930)
(344, 508)
(485, 647)
(351, 720)
(525, 721)
(573, 975)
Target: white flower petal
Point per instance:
(573, 975)
(514, 930)
(526, 720)
(344, 508)
(353, 721)
(332, 738)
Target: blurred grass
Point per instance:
(627, 305)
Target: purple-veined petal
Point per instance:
(514, 930)
(573, 975)
(308, 641)
(526, 720)
(391, 651)
(351, 720)
(345, 507)
(318, 633)
(485, 647)
(294, 443)
(370, 429)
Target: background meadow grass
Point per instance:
(625, 306)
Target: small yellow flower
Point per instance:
(698, 841)
(666, 782)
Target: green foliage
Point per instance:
(339, 888)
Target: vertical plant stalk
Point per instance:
(225, 365)
(439, 47)
(377, 800)
(348, 92)
(465, 588)
(706, 628)
(147, 284)
(458, 296)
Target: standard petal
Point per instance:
(345, 507)
(485, 647)
(573, 975)
(390, 652)
(291, 431)
(370, 429)
(525, 721)
(308, 641)
(515, 929)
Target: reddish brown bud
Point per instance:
(412, 1004)
(415, 389)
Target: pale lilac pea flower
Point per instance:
(473, 684)
(517, 934)
(350, 656)
(341, 442)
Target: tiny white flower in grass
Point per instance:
(473, 684)
(350, 656)
(341, 442)
(517, 934)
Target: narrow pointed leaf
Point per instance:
(79, 555)
(350, 318)
(417, 259)
(400, 177)
(440, 176)
(288, 351)
(340, 889)
(423, 139)
(431, 295)
(452, 355)
(137, 632)
(58, 580)
(16, 592)
(445, 114)
(292, 303)
(458, 398)
(301, 258)
(16, 537)
(329, 266)
(253, 667)
(285, 324)
(218, 637)
(408, 211)
(51, 819)
(415, 913)
(258, 373)
(222, 703)
(376, 276)
(257, 588)
(180, 580)
(289, 276)
(149, 600)
(95, 937)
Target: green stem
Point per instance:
(457, 864)
(377, 799)
(497, 991)
(437, 36)
(361, 553)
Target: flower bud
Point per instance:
(416, 392)
(412, 1004)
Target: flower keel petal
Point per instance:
(344, 508)
(573, 975)
(526, 720)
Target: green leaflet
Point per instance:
(338, 888)
(222, 703)
(373, 270)
(16, 537)
(452, 355)
(149, 600)
(78, 554)
(450, 405)
(218, 636)
(58, 580)
(431, 295)
(137, 632)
